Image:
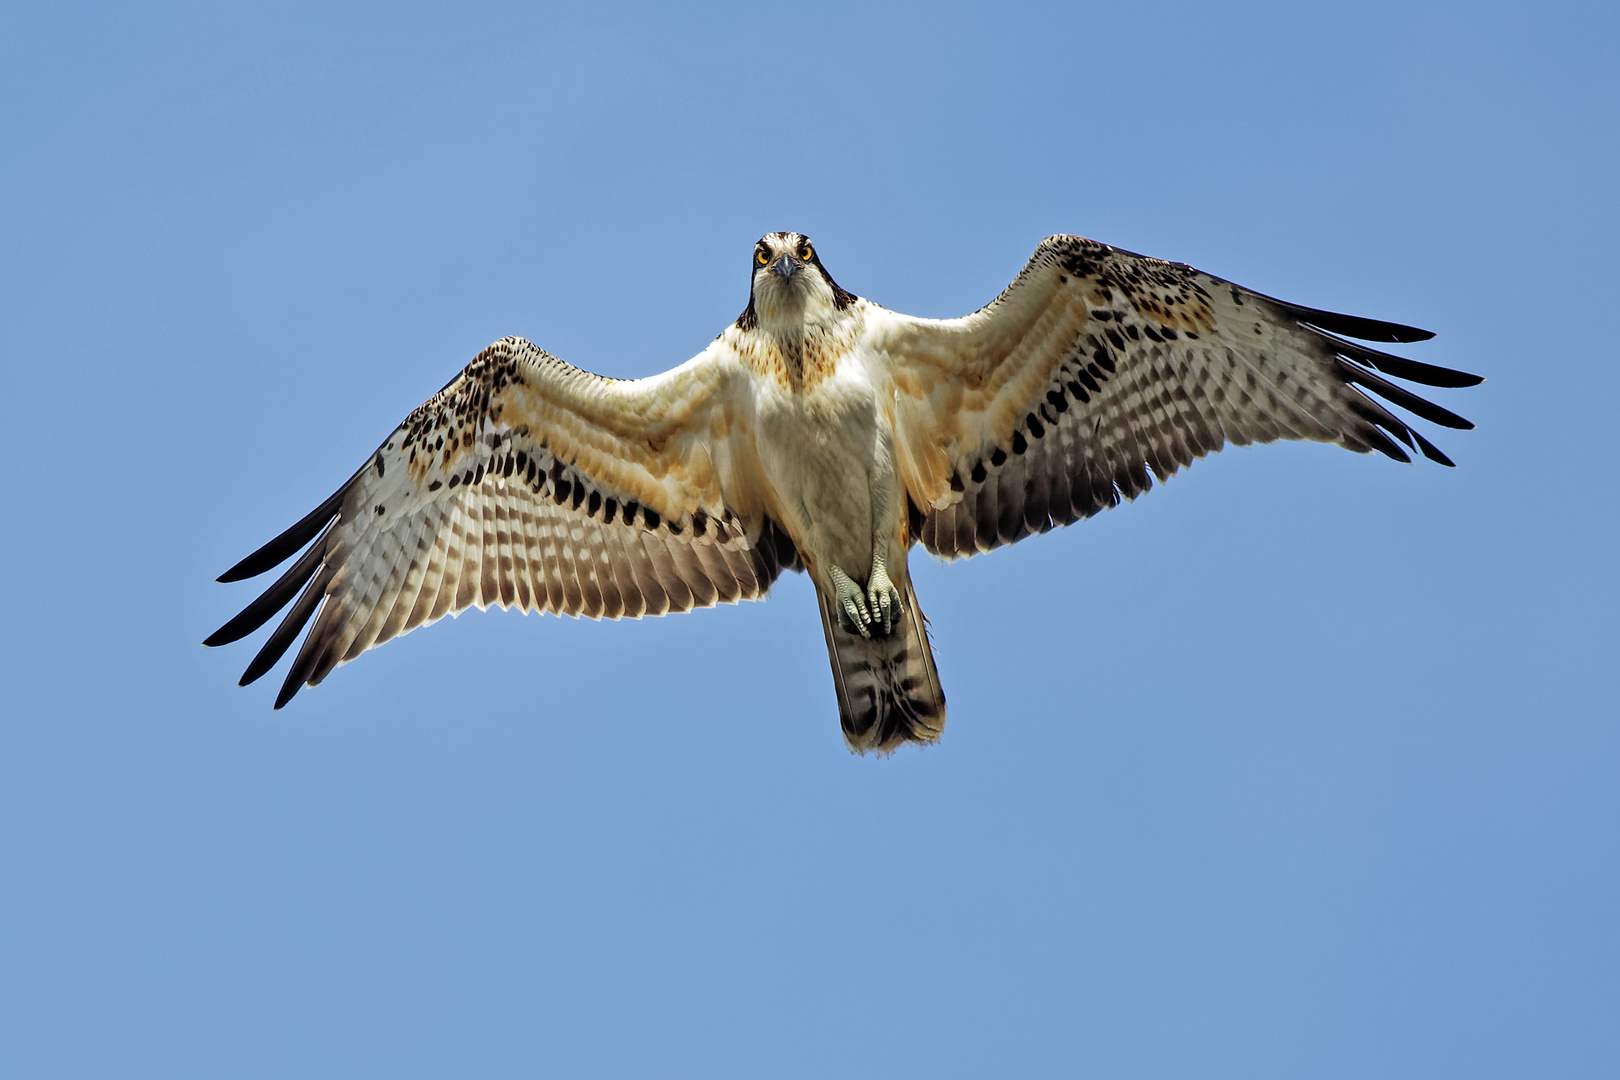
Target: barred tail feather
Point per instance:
(888, 690)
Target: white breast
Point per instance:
(823, 450)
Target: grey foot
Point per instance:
(875, 609)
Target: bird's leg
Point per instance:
(882, 606)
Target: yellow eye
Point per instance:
(805, 254)
(761, 256)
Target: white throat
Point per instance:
(789, 308)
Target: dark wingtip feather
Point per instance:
(1402, 368)
(311, 664)
(272, 600)
(288, 688)
(1387, 446)
(1357, 327)
(1404, 398)
(297, 616)
(276, 551)
(1419, 372)
(1432, 452)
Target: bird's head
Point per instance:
(791, 289)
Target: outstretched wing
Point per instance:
(1097, 366)
(525, 483)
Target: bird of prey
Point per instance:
(825, 434)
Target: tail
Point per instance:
(888, 690)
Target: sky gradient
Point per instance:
(1305, 766)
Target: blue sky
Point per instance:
(1306, 765)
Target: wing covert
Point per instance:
(1098, 370)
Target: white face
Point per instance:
(790, 288)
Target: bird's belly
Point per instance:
(827, 464)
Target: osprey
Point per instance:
(821, 433)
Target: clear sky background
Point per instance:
(1305, 766)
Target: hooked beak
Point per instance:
(785, 266)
